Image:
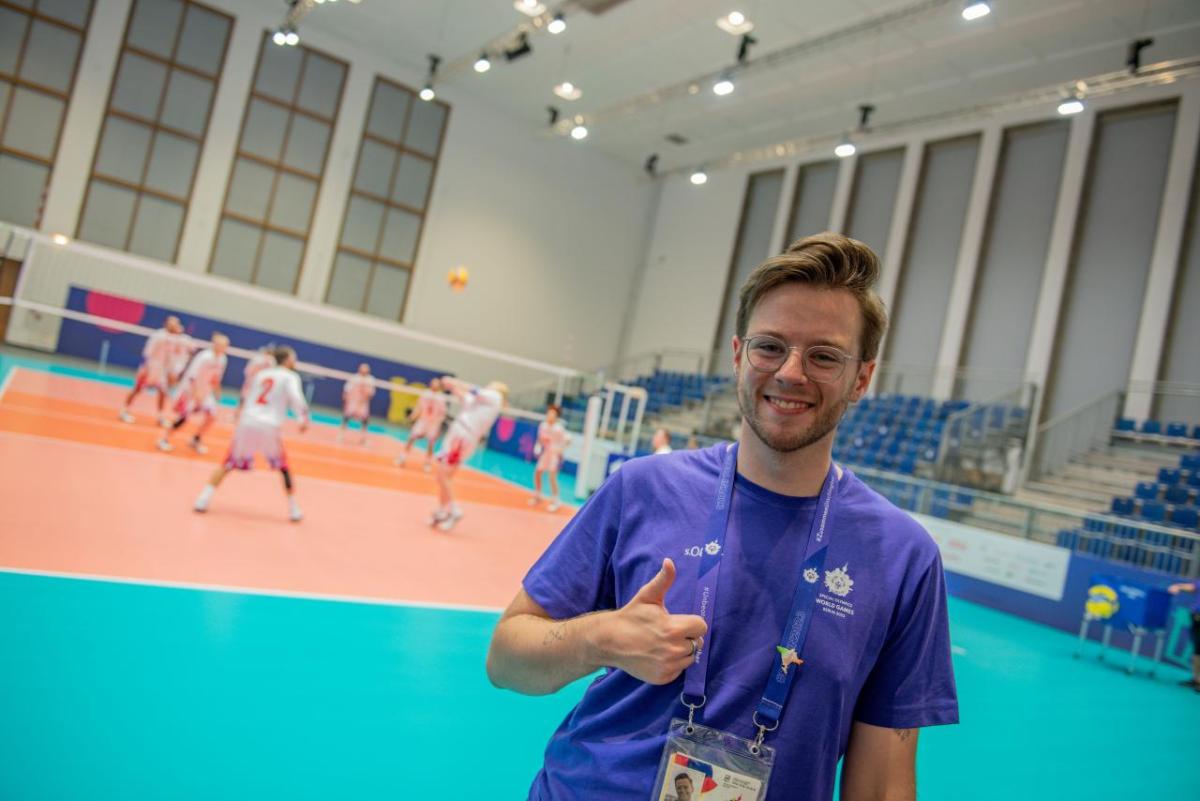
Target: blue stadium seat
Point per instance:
(1177, 429)
(1194, 479)
(1153, 512)
(1195, 432)
(1185, 516)
(1168, 475)
(1126, 424)
(1190, 461)
(1151, 427)
(1146, 490)
(1177, 494)
(1122, 507)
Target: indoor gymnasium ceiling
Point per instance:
(929, 61)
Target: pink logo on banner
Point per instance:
(505, 427)
(114, 307)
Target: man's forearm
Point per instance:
(538, 656)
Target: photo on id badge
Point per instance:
(691, 779)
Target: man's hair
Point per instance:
(283, 353)
(557, 409)
(827, 261)
(679, 776)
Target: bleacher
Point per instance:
(666, 389)
(1173, 433)
(1172, 500)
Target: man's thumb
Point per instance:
(654, 591)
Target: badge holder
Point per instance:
(718, 766)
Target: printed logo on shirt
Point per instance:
(839, 584)
(713, 548)
(811, 575)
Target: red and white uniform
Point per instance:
(479, 411)
(431, 413)
(258, 362)
(200, 384)
(272, 393)
(553, 439)
(180, 347)
(356, 397)
(156, 361)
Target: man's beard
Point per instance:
(825, 422)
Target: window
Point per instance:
(280, 161)
(39, 53)
(158, 113)
(393, 179)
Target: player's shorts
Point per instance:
(151, 375)
(456, 448)
(187, 404)
(249, 439)
(356, 411)
(549, 461)
(425, 429)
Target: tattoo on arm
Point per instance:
(555, 634)
(904, 734)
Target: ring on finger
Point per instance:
(695, 647)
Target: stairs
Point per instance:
(1089, 482)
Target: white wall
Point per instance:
(551, 230)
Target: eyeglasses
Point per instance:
(822, 363)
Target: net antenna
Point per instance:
(611, 428)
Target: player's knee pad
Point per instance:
(287, 477)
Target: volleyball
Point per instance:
(458, 278)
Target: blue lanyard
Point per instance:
(774, 695)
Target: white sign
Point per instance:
(1031, 567)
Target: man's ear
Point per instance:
(862, 381)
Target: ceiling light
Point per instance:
(293, 38)
(279, 38)
(427, 93)
(61, 239)
(531, 7)
(723, 87)
(974, 9)
(845, 148)
(580, 131)
(483, 64)
(568, 91)
(557, 25)
(735, 23)
(699, 178)
(1070, 105)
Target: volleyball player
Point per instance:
(155, 370)
(478, 410)
(356, 400)
(262, 359)
(199, 390)
(552, 439)
(426, 419)
(273, 392)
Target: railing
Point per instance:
(1074, 433)
(1166, 400)
(1171, 550)
(993, 434)
(672, 359)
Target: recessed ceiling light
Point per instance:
(580, 131)
(845, 149)
(568, 91)
(723, 87)
(483, 63)
(974, 9)
(735, 23)
(699, 178)
(531, 7)
(557, 25)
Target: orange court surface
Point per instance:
(86, 495)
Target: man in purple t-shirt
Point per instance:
(875, 664)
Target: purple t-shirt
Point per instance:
(878, 650)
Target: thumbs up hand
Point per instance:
(647, 641)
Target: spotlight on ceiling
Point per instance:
(519, 49)
(974, 9)
(427, 93)
(483, 63)
(532, 8)
(723, 87)
(279, 38)
(293, 38)
(580, 131)
(735, 23)
(557, 25)
(699, 178)
(1072, 104)
(845, 148)
(568, 91)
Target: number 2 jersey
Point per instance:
(272, 392)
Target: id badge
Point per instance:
(703, 764)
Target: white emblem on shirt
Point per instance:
(838, 581)
(811, 576)
(713, 548)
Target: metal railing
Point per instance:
(1169, 550)
(983, 444)
(1075, 433)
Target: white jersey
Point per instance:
(158, 350)
(552, 437)
(431, 409)
(180, 350)
(258, 362)
(479, 410)
(204, 373)
(272, 392)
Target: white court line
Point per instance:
(199, 587)
(7, 381)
